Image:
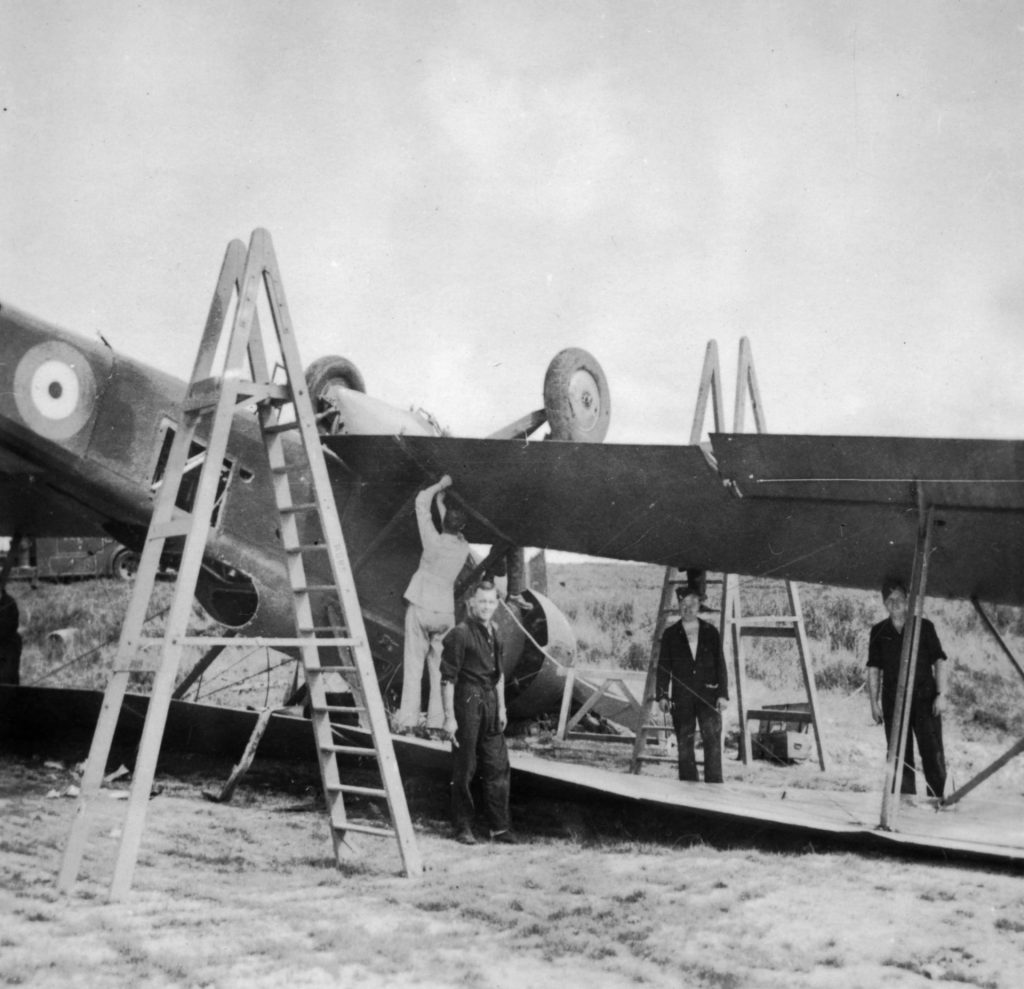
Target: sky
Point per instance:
(457, 191)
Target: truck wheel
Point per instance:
(576, 397)
(124, 565)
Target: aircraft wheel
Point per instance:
(576, 397)
(327, 371)
(125, 564)
(324, 375)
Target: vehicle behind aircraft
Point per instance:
(73, 558)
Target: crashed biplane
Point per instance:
(85, 435)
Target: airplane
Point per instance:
(85, 434)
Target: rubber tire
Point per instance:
(567, 417)
(324, 370)
(124, 565)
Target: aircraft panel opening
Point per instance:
(228, 595)
(190, 478)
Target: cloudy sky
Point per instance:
(457, 191)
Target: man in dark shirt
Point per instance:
(885, 645)
(693, 683)
(473, 693)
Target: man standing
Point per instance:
(693, 683)
(431, 605)
(885, 647)
(473, 687)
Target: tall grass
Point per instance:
(613, 609)
(91, 612)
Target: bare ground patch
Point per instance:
(245, 895)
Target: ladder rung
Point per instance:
(332, 669)
(365, 791)
(263, 391)
(310, 629)
(204, 394)
(281, 427)
(348, 750)
(769, 620)
(166, 530)
(256, 642)
(306, 506)
(365, 829)
(337, 709)
(769, 631)
(307, 548)
(340, 640)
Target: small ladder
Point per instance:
(738, 628)
(330, 635)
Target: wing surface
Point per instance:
(670, 505)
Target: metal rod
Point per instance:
(995, 634)
(988, 771)
(908, 668)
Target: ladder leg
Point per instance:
(731, 628)
(142, 776)
(804, 648)
(99, 752)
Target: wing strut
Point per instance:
(908, 667)
(1015, 749)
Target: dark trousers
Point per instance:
(688, 712)
(481, 745)
(10, 660)
(927, 729)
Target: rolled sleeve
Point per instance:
(453, 650)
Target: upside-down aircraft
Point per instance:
(85, 434)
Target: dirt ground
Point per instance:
(246, 894)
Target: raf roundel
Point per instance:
(54, 389)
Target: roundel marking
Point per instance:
(54, 389)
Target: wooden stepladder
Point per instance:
(329, 633)
(734, 627)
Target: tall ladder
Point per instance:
(329, 624)
(652, 723)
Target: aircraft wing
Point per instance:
(33, 504)
(831, 510)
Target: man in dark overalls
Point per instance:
(693, 683)
(473, 693)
